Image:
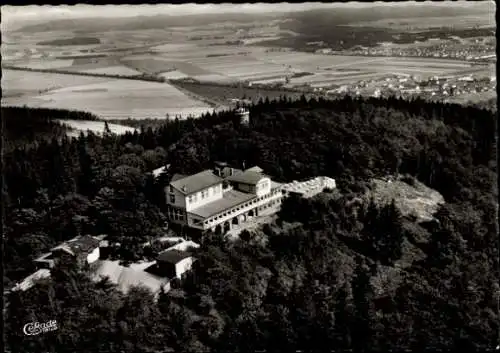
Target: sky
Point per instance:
(14, 14)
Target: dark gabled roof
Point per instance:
(173, 256)
(176, 177)
(229, 200)
(247, 177)
(255, 169)
(196, 182)
(220, 164)
(81, 244)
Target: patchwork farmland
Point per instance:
(107, 98)
(207, 63)
(258, 65)
(23, 84)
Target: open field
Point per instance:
(214, 78)
(270, 81)
(259, 39)
(97, 65)
(149, 65)
(26, 84)
(107, 98)
(45, 64)
(96, 127)
(242, 67)
(114, 70)
(173, 48)
(173, 75)
(315, 62)
(155, 64)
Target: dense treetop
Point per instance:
(332, 271)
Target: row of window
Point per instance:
(263, 185)
(175, 214)
(242, 206)
(194, 198)
(267, 205)
(203, 194)
(177, 217)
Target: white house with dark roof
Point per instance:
(170, 264)
(84, 249)
(217, 199)
(174, 263)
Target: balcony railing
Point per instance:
(241, 209)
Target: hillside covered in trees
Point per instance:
(24, 127)
(334, 272)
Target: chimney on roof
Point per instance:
(184, 188)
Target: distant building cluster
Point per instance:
(478, 49)
(433, 87)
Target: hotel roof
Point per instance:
(196, 182)
(173, 256)
(229, 199)
(247, 177)
(176, 177)
(81, 244)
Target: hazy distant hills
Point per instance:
(336, 16)
(379, 12)
(143, 22)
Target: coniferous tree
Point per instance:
(362, 330)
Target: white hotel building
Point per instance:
(216, 200)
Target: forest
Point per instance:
(72, 41)
(332, 273)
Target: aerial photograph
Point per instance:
(250, 177)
